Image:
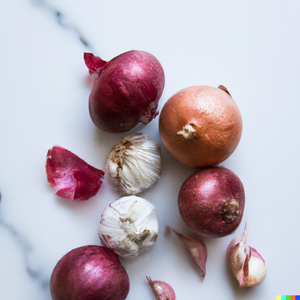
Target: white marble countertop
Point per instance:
(251, 47)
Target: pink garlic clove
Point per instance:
(197, 249)
(71, 176)
(246, 264)
(161, 290)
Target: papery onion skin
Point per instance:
(200, 126)
(71, 176)
(129, 226)
(127, 90)
(211, 202)
(89, 273)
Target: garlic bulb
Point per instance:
(134, 164)
(246, 264)
(129, 226)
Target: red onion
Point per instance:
(161, 290)
(89, 273)
(211, 202)
(71, 176)
(126, 91)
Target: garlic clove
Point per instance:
(257, 269)
(246, 264)
(196, 248)
(129, 226)
(134, 164)
(161, 290)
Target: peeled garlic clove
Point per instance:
(246, 264)
(129, 226)
(197, 249)
(161, 290)
(134, 164)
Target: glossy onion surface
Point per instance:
(89, 273)
(126, 91)
(211, 202)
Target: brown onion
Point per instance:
(89, 273)
(200, 126)
(211, 202)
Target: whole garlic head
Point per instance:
(129, 226)
(246, 264)
(134, 164)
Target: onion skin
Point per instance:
(89, 273)
(126, 91)
(214, 118)
(211, 202)
(71, 176)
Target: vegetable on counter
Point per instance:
(126, 91)
(200, 126)
(89, 273)
(71, 176)
(134, 164)
(246, 264)
(129, 226)
(211, 202)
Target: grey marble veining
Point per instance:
(24, 245)
(32, 266)
(61, 19)
(27, 251)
